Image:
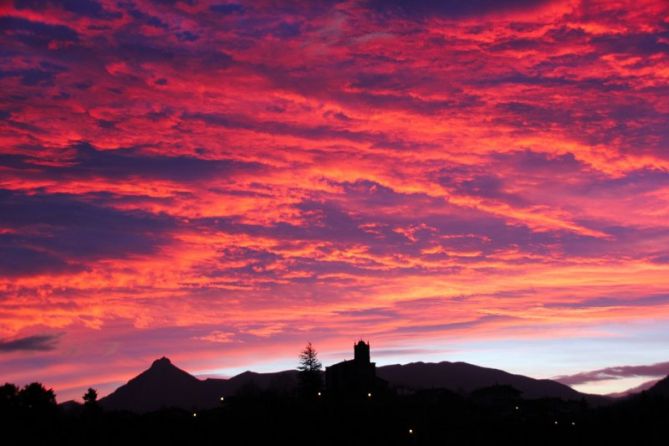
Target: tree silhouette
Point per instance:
(36, 399)
(91, 406)
(9, 396)
(91, 401)
(310, 371)
(91, 397)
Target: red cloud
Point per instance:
(256, 175)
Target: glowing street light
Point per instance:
(369, 395)
(194, 414)
(222, 398)
(410, 431)
(319, 393)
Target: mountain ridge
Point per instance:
(163, 385)
(660, 388)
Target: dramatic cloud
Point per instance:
(222, 181)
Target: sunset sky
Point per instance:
(482, 181)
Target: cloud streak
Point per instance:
(29, 344)
(653, 370)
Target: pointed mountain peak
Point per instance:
(161, 385)
(161, 363)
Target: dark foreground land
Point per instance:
(430, 417)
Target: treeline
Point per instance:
(33, 398)
(494, 415)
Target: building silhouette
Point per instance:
(356, 378)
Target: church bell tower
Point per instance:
(361, 352)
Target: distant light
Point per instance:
(194, 414)
(369, 395)
(319, 393)
(222, 398)
(556, 422)
(517, 407)
(411, 431)
(573, 423)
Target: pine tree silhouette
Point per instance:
(310, 372)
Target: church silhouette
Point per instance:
(356, 378)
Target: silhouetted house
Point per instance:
(356, 377)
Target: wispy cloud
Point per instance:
(29, 343)
(654, 370)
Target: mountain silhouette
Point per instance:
(464, 377)
(278, 382)
(164, 385)
(634, 390)
(660, 388)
